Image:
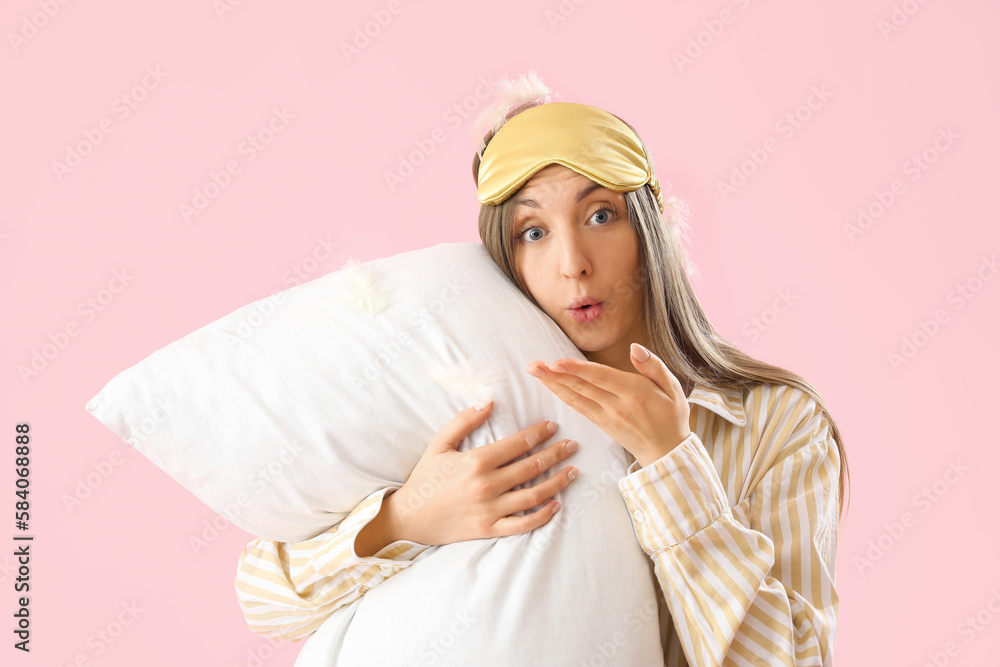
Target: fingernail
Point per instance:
(555, 508)
(639, 352)
(483, 404)
(572, 474)
(552, 426)
(556, 368)
(572, 446)
(536, 371)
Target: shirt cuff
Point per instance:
(674, 497)
(393, 556)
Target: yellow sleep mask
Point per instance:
(586, 139)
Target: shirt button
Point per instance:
(385, 568)
(364, 589)
(639, 516)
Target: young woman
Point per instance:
(737, 484)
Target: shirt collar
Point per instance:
(725, 402)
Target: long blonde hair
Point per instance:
(680, 333)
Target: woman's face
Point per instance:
(566, 247)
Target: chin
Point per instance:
(589, 343)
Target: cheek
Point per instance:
(534, 278)
(526, 275)
(624, 256)
(519, 270)
(532, 284)
(621, 252)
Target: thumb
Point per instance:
(652, 367)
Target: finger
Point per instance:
(456, 430)
(507, 449)
(579, 393)
(521, 500)
(611, 380)
(519, 472)
(656, 370)
(602, 384)
(588, 407)
(513, 525)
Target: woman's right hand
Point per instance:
(452, 496)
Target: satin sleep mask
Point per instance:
(586, 139)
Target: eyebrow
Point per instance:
(579, 196)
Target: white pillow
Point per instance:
(286, 413)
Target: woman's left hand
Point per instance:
(647, 414)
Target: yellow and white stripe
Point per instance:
(741, 522)
(287, 590)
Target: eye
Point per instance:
(605, 209)
(521, 233)
(611, 215)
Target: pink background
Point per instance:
(854, 301)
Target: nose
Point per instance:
(574, 255)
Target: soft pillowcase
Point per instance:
(283, 415)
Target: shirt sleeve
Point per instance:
(287, 590)
(751, 584)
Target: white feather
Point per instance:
(462, 379)
(358, 289)
(676, 213)
(527, 88)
